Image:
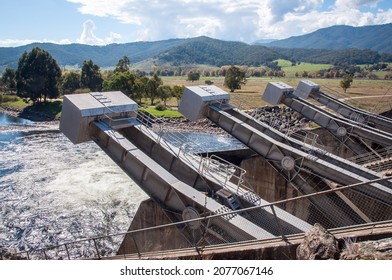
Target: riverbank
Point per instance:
(28, 114)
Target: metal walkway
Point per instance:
(211, 175)
(350, 112)
(356, 136)
(185, 185)
(296, 160)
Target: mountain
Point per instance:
(104, 56)
(205, 50)
(338, 37)
(333, 45)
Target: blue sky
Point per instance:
(100, 22)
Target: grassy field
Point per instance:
(373, 95)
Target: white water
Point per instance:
(52, 191)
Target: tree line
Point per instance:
(38, 78)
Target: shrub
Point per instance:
(160, 107)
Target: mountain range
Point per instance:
(365, 44)
(374, 37)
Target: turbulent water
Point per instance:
(53, 192)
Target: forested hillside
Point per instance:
(375, 37)
(207, 51)
(75, 54)
(204, 50)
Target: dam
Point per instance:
(280, 189)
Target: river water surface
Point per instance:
(52, 191)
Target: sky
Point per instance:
(101, 22)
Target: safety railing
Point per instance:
(120, 118)
(371, 161)
(209, 231)
(220, 170)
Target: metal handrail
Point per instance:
(233, 212)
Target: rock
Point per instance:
(367, 250)
(318, 244)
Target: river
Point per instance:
(52, 191)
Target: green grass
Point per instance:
(13, 101)
(300, 68)
(52, 108)
(284, 62)
(164, 113)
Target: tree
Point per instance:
(164, 92)
(346, 82)
(91, 76)
(123, 65)
(70, 82)
(234, 78)
(37, 75)
(140, 87)
(122, 81)
(193, 76)
(152, 88)
(177, 92)
(8, 80)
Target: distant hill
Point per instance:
(205, 50)
(338, 44)
(104, 56)
(338, 37)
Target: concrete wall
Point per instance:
(269, 185)
(266, 182)
(150, 214)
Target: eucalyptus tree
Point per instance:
(8, 80)
(234, 78)
(121, 81)
(70, 82)
(164, 92)
(123, 65)
(152, 88)
(91, 76)
(37, 75)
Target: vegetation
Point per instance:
(70, 82)
(193, 76)
(339, 37)
(346, 82)
(8, 80)
(164, 113)
(122, 65)
(161, 84)
(91, 76)
(234, 78)
(37, 76)
(122, 81)
(324, 46)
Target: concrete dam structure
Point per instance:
(200, 201)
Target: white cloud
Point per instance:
(89, 38)
(355, 3)
(245, 20)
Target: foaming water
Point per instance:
(52, 191)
